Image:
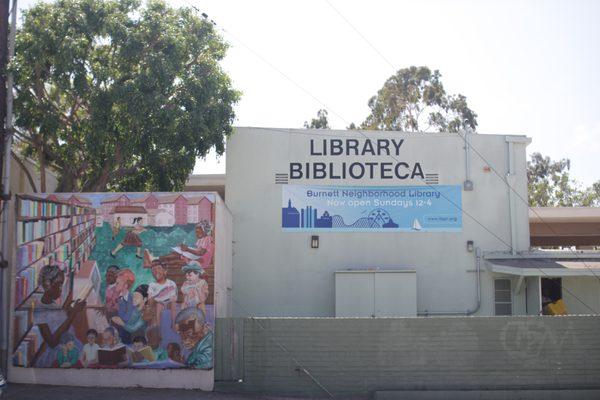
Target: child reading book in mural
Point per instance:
(162, 294)
(135, 325)
(174, 353)
(112, 353)
(110, 338)
(183, 254)
(196, 337)
(141, 352)
(132, 239)
(51, 280)
(154, 338)
(89, 355)
(68, 354)
(194, 289)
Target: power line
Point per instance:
(361, 35)
(312, 377)
(464, 137)
(509, 246)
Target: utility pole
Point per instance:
(4, 11)
(6, 139)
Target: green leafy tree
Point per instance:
(113, 95)
(414, 100)
(550, 184)
(321, 122)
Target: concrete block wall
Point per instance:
(359, 356)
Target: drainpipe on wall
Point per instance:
(510, 180)
(478, 303)
(468, 183)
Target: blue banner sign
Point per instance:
(371, 208)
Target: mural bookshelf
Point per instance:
(49, 232)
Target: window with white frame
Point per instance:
(502, 297)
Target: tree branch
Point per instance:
(25, 170)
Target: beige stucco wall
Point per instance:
(299, 281)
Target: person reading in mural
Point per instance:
(135, 325)
(174, 353)
(140, 351)
(132, 239)
(162, 294)
(111, 295)
(196, 337)
(112, 353)
(194, 289)
(153, 337)
(183, 254)
(51, 279)
(89, 356)
(68, 354)
(204, 244)
(116, 228)
(110, 338)
(126, 307)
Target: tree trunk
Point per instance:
(105, 176)
(25, 170)
(42, 161)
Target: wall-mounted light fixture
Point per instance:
(314, 242)
(470, 246)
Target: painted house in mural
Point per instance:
(176, 205)
(128, 214)
(156, 216)
(160, 217)
(79, 201)
(63, 254)
(149, 202)
(199, 208)
(107, 205)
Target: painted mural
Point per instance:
(115, 281)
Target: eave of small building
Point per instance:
(206, 183)
(564, 226)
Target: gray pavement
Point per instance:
(45, 392)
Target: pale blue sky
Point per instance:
(526, 67)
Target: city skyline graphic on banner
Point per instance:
(389, 208)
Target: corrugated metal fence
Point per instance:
(356, 356)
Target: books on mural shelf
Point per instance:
(82, 235)
(82, 251)
(26, 282)
(30, 252)
(81, 210)
(78, 228)
(28, 347)
(33, 208)
(112, 356)
(22, 321)
(53, 241)
(32, 230)
(79, 219)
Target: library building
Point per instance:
(304, 223)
